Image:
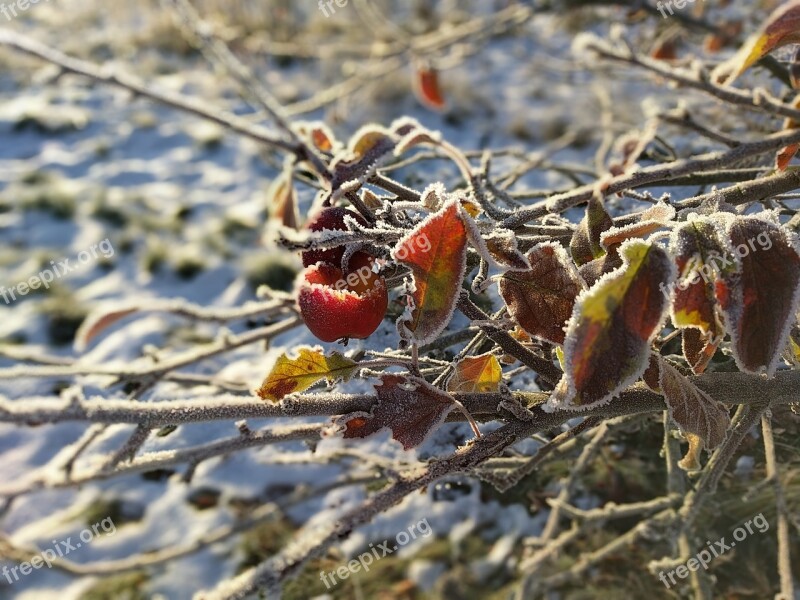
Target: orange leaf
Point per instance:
(283, 198)
(427, 89)
(476, 374)
(436, 252)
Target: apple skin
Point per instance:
(329, 219)
(351, 311)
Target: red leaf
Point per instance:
(759, 304)
(436, 252)
(701, 260)
(427, 88)
(541, 299)
(613, 324)
(411, 408)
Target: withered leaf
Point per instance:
(411, 408)
(541, 298)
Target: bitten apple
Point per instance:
(335, 305)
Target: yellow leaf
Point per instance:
(472, 208)
(291, 375)
(476, 374)
(691, 462)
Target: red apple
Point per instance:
(338, 306)
(329, 219)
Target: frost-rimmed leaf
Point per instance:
(416, 137)
(781, 28)
(366, 151)
(411, 408)
(701, 260)
(759, 304)
(585, 243)
(436, 252)
(319, 134)
(541, 298)
(690, 408)
(502, 248)
(298, 373)
(476, 374)
(614, 322)
(654, 218)
(434, 196)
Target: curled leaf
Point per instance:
(691, 461)
(97, 322)
(585, 244)
(501, 245)
(653, 219)
(283, 200)
(427, 88)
